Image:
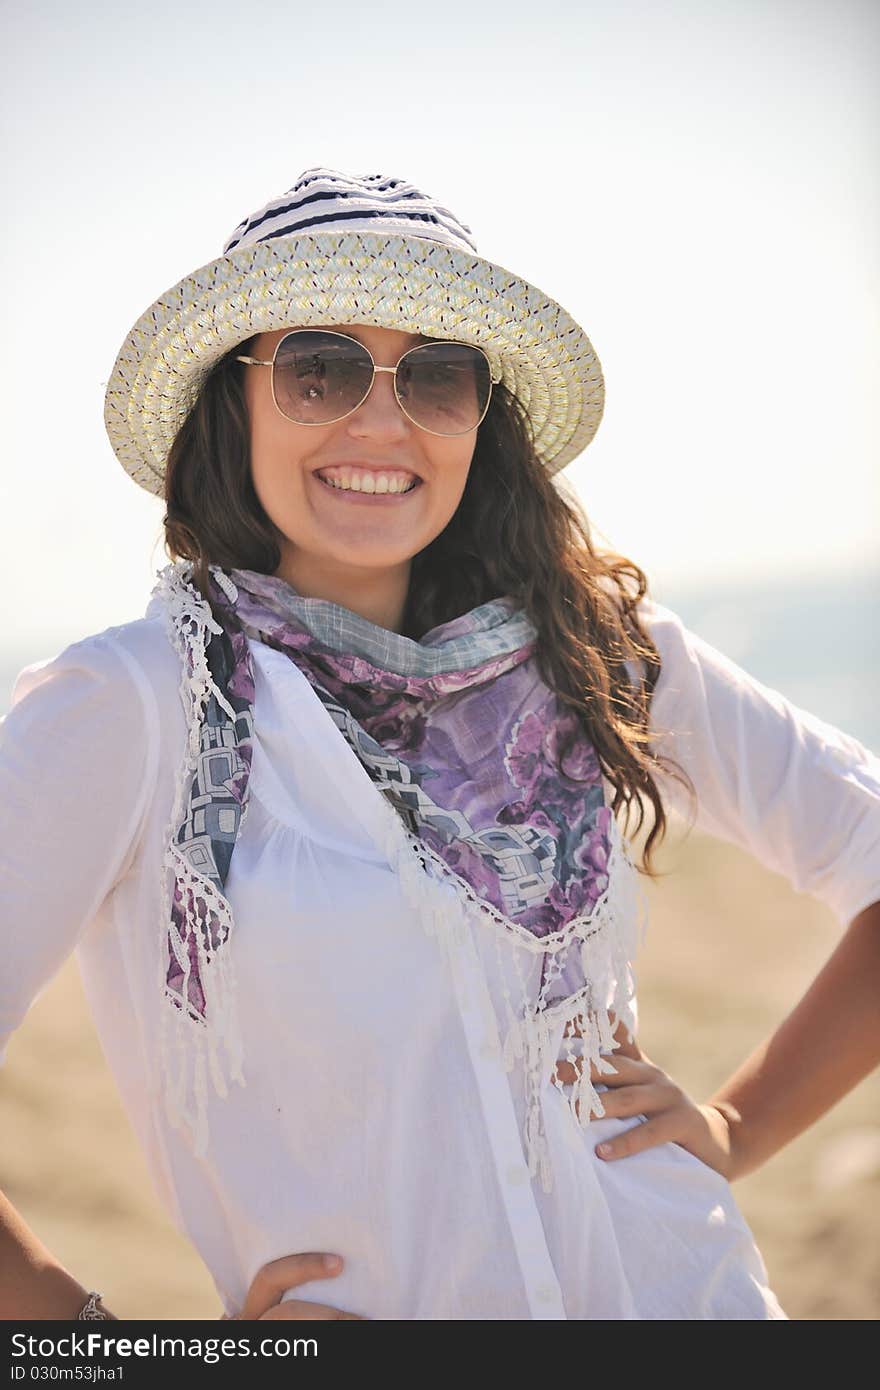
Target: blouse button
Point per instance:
(517, 1174)
(546, 1293)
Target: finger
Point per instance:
(629, 1100)
(621, 1070)
(624, 1071)
(625, 1047)
(577, 1026)
(634, 1100)
(275, 1278)
(297, 1310)
(569, 1071)
(638, 1137)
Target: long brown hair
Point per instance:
(514, 533)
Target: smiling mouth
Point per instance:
(391, 484)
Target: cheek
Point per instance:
(268, 476)
(451, 469)
(276, 453)
(267, 459)
(269, 447)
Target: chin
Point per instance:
(363, 557)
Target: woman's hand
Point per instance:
(271, 1282)
(638, 1087)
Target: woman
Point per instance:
(362, 764)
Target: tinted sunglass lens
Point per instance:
(319, 377)
(444, 387)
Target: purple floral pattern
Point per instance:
(466, 755)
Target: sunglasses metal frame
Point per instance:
(309, 424)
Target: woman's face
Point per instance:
(328, 530)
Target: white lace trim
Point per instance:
(189, 1045)
(446, 907)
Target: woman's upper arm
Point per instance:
(78, 753)
(798, 793)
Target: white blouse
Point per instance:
(374, 1121)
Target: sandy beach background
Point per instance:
(730, 950)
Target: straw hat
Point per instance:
(337, 248)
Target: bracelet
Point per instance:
(90, 1311)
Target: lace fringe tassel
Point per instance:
(609, 940)
(190, 1044)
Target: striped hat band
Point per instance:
(325, 200)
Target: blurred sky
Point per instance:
(697, 183)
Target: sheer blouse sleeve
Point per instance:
(77, 768)
(799, 794)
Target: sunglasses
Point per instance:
(319, 377)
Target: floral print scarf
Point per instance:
(460, 735)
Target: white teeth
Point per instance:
(370, 483)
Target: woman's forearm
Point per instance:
(825, 1046)
(33, 1285)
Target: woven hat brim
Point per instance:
(404, 282)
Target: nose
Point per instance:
(379, 416)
